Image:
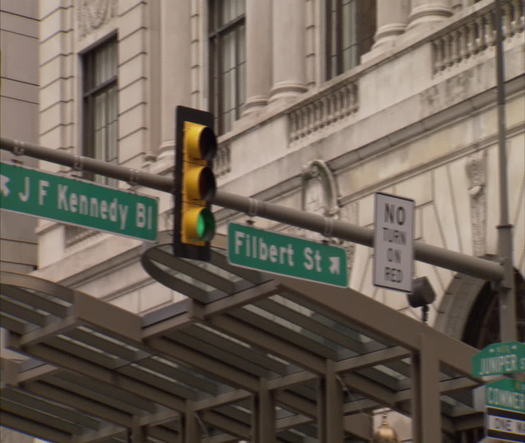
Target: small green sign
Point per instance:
(499, 359)
(285, 255)
(506, 394)
(77, 202)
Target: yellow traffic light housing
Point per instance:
(196, 146)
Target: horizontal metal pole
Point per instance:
(455, 261)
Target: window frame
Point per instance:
(90, 92)
(216, 35)
(333, 31)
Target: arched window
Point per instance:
(482, 326)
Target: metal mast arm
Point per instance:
(433, 255)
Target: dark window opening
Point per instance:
(100, 106)
(350, 26)
(227, 61)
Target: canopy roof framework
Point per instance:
(245, 357)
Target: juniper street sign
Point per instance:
(285, 255)
(77, 202)
(499, 359)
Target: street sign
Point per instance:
(506, 394)
(499, 359)
(393, 242)
(77, 202)
(505, 409)
(285, 255)
(505, 425)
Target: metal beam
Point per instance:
(268, 342)
(427, 253)
(214, 368)
(30, 427)
(226, 424)
(382, 321)
(80, 403)
(99, 373)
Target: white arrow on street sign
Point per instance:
(335, 265)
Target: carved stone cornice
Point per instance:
(92, 14)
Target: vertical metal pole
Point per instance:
(330, 407)
(321, 409)
(190, 426)
(137, 433)
(263, 416)
(334, 405)
(426, 398)
(507, 296)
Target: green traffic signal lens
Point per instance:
(205, 225)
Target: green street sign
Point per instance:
(506, 394)
(285, 255)
(77, 202)
(499, 359)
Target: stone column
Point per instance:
(428, 11)
(175, 66)
(289, 63)
(258, 54)
(392, 18)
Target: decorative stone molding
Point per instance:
(476, 169)
(475, 34)
(319, 189)
(92, 14)
(323, 110)
(222, 162)
(320, 195)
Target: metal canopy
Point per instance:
(245, 356)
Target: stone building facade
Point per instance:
(18, 120)
(319, 104)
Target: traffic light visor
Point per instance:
(201, 141)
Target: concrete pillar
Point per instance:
(428, 11)
(258, 54)
(289, 63)
(392, 18)
(175, 66)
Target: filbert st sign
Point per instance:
(77, 202)
(286, 255)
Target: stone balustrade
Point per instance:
(475, 34)
(323, 109)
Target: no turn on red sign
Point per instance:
(393, 242)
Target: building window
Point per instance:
(100, 89)
(227, 61)
(350, 26)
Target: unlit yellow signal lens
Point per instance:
(200, 183)
(201, 142)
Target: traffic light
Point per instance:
(196, 146)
